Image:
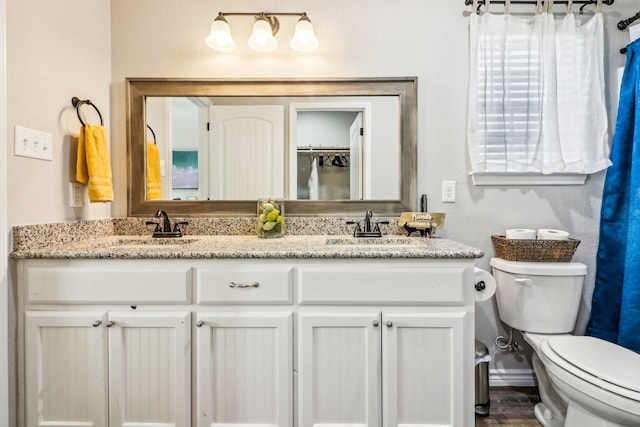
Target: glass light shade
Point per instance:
(220, 36)
(304, 38)
(262, 38)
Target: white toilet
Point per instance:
(583, 381)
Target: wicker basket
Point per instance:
(532, 250)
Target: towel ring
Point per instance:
(155, 142)
(77, 102)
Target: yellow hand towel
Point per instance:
(93, 165)
(154, 178)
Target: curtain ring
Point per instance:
(598, 6)
(538, 7)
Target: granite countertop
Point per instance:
(252, 247)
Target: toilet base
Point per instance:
(552, 409)
(545, 417)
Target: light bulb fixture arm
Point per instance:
(268, 17)
(271, 18)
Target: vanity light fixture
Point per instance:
(264, 29)
(304, 39)
(262, 38)
(220, 36)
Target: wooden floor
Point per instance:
(511, 406)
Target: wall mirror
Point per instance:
(328, 146)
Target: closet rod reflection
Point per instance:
(481, 2)
(324, 150)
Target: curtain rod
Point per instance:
(583, 2)
(622, 25)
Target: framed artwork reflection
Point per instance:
(184, 169)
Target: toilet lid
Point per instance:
(598, 358)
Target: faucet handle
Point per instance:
(378, 223)
(357, 228)
(176, 228)
(157, 224)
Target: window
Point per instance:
(536, 98)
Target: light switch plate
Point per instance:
(32, 143)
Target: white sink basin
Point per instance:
(150, 243)
(399, 241)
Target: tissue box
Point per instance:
(532, 250)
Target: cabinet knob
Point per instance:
(109, 323)
(199, 323)
(243, 285)
(376, 323)
(97, 323)
(389, 323)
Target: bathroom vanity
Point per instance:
(235, 330)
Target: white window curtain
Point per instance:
(536, 93)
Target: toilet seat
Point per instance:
(583, 357)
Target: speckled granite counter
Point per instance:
(251, 247)
(225, 238)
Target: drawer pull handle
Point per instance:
(109, 323)
(199, 323)
(375, 323)
(389, 323)
(97, 323)
(243, 285)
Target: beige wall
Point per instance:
(55, 50)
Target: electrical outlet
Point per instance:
(33, 143)
(448, 191)
(76, 195)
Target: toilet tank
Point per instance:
(539, 297)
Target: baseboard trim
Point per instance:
(512, 378)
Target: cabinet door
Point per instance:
(149, 369)
(244, 369)
(65, 369)
(339, 369)
(423, 383)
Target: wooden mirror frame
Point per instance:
(137, 89)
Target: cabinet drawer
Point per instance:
(244, 284)
(133, 284)
(402, 285)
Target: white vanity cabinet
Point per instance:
(297, 342)
(89, 360)
(65, 369)
(384, 345)
(244, 344)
